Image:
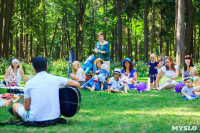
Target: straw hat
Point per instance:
(99, 59)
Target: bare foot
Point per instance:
(81, 87)
(90, 89)
(122, 92)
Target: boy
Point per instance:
(116, 84)
(188, 90)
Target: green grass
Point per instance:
(151, 112)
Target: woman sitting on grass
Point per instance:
(78, 72)
(167, 75)
(14, 68)
(188, 65)
(129, 75)
(98, 63)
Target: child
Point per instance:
(152, 66)
(193, 74)
(103, 72)
(160, 64)
(188, 90)
(13, 80)
(116, 84)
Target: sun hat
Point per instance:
(191, 78)
(15, 60)
(117, 71)
(99, 59)
(127, 59)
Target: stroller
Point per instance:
(88, 66)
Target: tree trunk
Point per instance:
(146, 30)
(8, 15)
(31, 46)
(21, 31)
(189, 29)
(54, 34)
(153, 27)
(180, 33)
(129, 41)
(176, 19)
(119, 30)
(198, 42)
(80, 30)
(1, 27)
(160, 36)
(26, 48)
(195, 48)
(11, 42)
(136, 47)
(44, 29)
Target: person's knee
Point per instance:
(15, 106)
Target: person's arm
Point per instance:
(27, 103)
(73, 83)
(160, 74)
(107, 49)
(107, 80)
(183, 74)
(135, 76)
(148, 67)
(184, 94)
(22, 74)
(109, 88)
(197, 81)
(175, 76)
(6, 76)
(74, 77)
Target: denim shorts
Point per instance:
(23, 113)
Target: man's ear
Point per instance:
(34, 70)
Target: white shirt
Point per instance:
(169, 73)
(43, 89)
(80, 74)
(18, 76)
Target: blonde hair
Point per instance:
(78, 64)
(152, 56)
(195, 71)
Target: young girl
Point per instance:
(152, 66)
(13, 80)
(194, 75)
(103, 72)
(78, 72)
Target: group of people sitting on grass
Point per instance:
(121, 81)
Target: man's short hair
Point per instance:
(39, 63)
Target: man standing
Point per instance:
(41, 94)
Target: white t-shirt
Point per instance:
(80, 74)
(43, 89)
(169, 73)
(18, 76)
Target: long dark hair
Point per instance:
(172, 63)
(130, 68)
(191, 63)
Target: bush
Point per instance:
(141, 68)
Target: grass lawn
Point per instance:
(151, 111)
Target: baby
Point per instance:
(188, 91)
(13, 80)
(102, 74)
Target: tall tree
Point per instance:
(146, 12)
(119, 30)
(1, 26)
(180, 33)
(189, 28)
(153, 27)
(44, 29)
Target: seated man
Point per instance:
(41, 94)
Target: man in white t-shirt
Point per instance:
(41, 94)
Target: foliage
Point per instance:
(141, 68)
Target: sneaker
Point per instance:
(11, 110)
